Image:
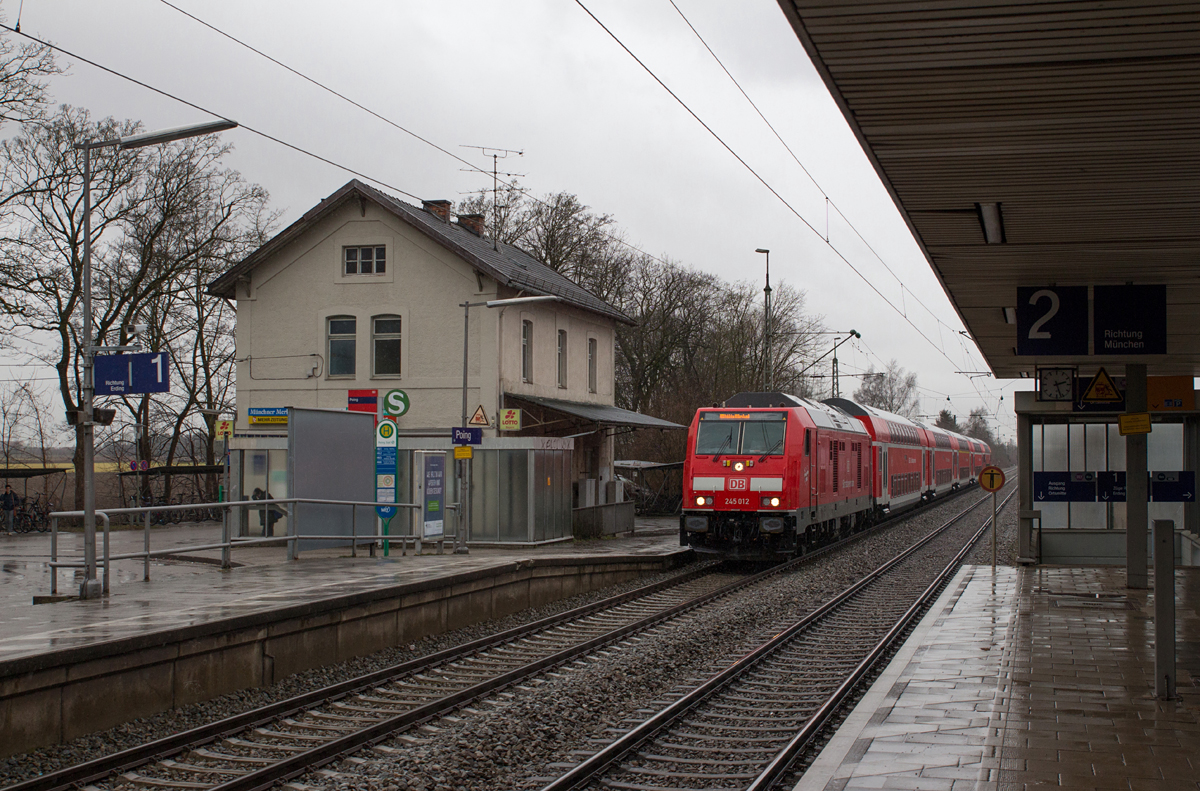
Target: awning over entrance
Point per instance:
(601, 414)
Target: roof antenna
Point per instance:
(497, 154)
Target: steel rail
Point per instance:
(588, 771)
(787, 756)
(296, 765)
(166, 747)
(124, 760)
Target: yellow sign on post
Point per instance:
(1136, 423)
(463, 452)
(991, 478)
(510, 420)
(224, 429)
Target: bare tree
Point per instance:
(895, 391)
(157, 215)
(12, 424)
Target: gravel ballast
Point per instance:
(517, 735)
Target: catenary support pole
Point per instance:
(91, 587)
(1164, 609)
(1137, 482)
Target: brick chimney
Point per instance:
(438, 208)
(472, 222)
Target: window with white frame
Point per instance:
(591, 365)
(526, 351)
(562, 358)
(365, 260)
(341, 331)
(385, 346)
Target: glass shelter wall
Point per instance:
(520, 487)
(1096, 447)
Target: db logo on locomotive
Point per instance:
(739, 484)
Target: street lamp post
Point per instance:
(91, 588)
(464, 508)
(766, 322)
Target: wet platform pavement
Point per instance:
(184, 592)
(1028, 680)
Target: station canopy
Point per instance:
(1049, 144)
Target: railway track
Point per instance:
(267, 746)
(746, 725)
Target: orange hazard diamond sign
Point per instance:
(1101, 390)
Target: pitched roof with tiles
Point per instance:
(502, 262)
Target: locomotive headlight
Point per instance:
(775, 501)
(739, 466)
(699, 501)
(771, 501)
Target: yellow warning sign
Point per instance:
(463, 452)
(1101, 390)
(1135, 423)
(479, 418)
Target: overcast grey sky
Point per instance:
(541, 76)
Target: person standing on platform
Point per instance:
(8, 501)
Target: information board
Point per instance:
(433, 478)
(1052, 320)
(1108, 486)
(124, 374)
(1129, 319)
(385, 468)
(1064, 487)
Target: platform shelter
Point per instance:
(1044, 158)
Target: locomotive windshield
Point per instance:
(743, 433)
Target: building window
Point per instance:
(526, 351)
(385, 346)
(365, 260)
(341, 345)
(591, 365)
(562, 358)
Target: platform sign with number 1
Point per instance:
(991, 479)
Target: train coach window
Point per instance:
(715, 437)
(764, 437)
(807, 441)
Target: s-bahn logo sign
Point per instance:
(739, 484)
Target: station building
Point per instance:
(363, 295)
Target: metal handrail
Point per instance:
(227, 541)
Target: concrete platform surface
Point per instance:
(183, 593)
(1028, 680)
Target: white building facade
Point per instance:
(365, 292)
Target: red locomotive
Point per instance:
(769, 474)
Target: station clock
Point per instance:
(1056, 384)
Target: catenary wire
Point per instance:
(508, 184)
(474, 167)
(213, 113)
(761, 180)
(807, 172)
(385, 184)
